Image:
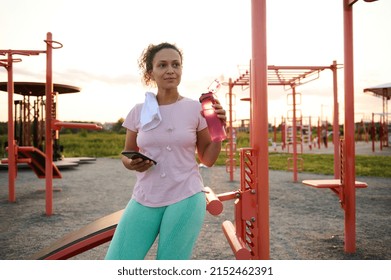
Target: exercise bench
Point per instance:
(101, 231)
(336, 185)
(346, 199)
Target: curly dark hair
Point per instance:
(147, 56)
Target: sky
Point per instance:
(102, 41)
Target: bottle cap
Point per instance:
(204, 96)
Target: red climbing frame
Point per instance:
(51, 124)
(244, 237)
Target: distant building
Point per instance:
(108, 126)
(244, 125)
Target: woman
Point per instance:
(168, 199)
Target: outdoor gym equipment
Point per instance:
(242, 237)
(257, 194)
(39, 161)
(383, 91)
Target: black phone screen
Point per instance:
(134, 155)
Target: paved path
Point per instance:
(305, 223)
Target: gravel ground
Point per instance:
(305, 223)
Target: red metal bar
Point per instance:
(294, 134)
(48, 126)
(240, 228)
(228, 196)
(237, 245)
(381, 132)
(19, 160)
(337, 163)
(283, 136)
(259, 120)
(312, 68)
(275, 135)
(213, 204)
(12, 166)
(23, 52)
(385, 116)
(319, 134)
(231, 139)
(349, 151)
(373, 132)
(57, 125)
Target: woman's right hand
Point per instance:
(137, 164)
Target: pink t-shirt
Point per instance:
(172, 144)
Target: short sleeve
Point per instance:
(132, 120)
(201, 120)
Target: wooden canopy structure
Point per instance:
(383, 91)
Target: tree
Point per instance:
(117, 127)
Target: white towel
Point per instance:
(150, 114)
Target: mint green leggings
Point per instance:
(178, 226)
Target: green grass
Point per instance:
(106, 144)
(375, 166)
(92, 144)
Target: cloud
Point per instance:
(76, 77)
(83, 77)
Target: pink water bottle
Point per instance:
(215, 125)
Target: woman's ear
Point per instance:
(151, 76)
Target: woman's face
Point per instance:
(167, 69)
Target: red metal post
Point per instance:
(259, 120)
(231, 134)
(337, 162)
(283, 133)
(382, 131)
(310, 132)
(12, 164)
(319, 136)
(48, 127)
(373, 132)
(349, 151)
(294, 134)
(275, 135)
(385, 114)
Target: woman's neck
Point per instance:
(167, 97)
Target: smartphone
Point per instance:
(134, 155)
